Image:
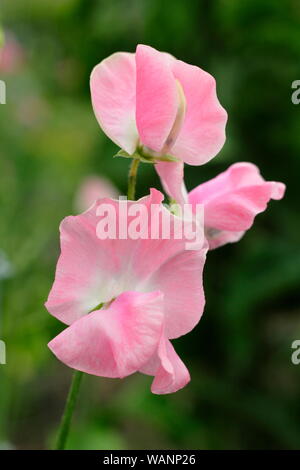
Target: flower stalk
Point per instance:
(132, 179)
(65, 424)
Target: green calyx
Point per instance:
(143, 156)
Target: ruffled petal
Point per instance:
(180, 279)
(95, 267)
(233, 199)
(113, 92)
(170, 373)
(115, 341)
(157, 97)
(202, 134)
(93, 270)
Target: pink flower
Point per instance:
(152, 103)
(232, 200)
(91, 189)
(150, 291)
(11, 55)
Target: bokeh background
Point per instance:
(245, 390)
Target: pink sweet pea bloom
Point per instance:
(232, 200)
(91, 189)
(150, 291)
(152, 102)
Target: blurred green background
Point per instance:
(245, 390)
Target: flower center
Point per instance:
(103, 305)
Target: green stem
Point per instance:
(64, 427)
(132, 179)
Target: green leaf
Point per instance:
(122, 153)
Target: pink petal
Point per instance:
(113, 98)
(203, 132)
(116, 341)
(171, 176)
(170, 372)
(85, 270)
(277, 190)
(216, 238)
(156, 97)
(233, 199)
(92, 270)
(180, 280)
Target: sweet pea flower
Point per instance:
(153, 105)
(93, 188)
(232, 200)
(124, 299)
